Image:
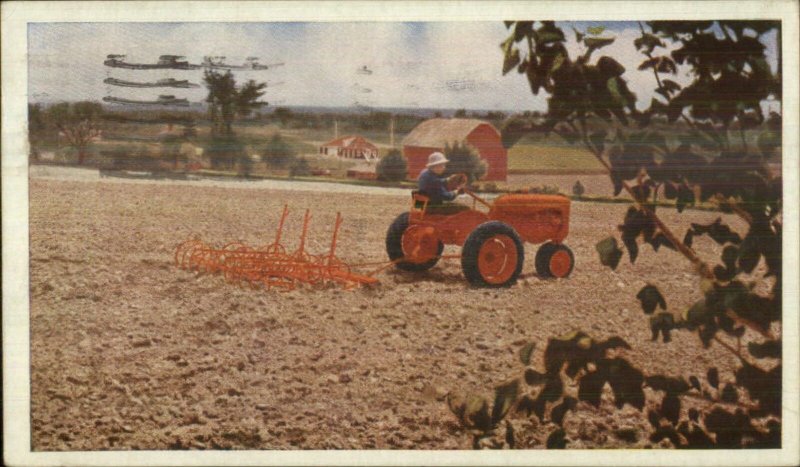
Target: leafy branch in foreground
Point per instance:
(577, 372)
(690, 145)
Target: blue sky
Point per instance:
(414, 64)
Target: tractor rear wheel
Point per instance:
(404, 240)
(493, 255)
(554, 260)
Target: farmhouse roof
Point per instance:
(437, 132)
(350, 142)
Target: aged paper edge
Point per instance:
(16, 379)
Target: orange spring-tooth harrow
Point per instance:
(271, 266)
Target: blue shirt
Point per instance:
(434, 187)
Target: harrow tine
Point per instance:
(270, 266)
(280, 224)
(306, 219)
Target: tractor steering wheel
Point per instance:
(456, 181)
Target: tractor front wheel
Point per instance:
(421, 248)
(493, 255)
(554, 260)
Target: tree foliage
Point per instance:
(78, 123)
(278, 153)
(300, 167)
(226, 100)
(464, 160)
(705, 158)
(224, 151)
(392, 167)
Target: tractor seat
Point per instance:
(419, 197)
(418, 200)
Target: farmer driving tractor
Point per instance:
(440, 189)
(492, 253)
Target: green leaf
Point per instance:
(590, 388)
(584, 343)
(613, 88)
(609, 252)
(511, 55)
(654, 418)
(694, 382)
(558, 412)
(718, 232)
(713, 377)
(533, 377)
(669, 385)
(510, 438)
(525, 353)
(661, 240)
(556, 440)
(647, 43)
(548, 33)
(526, 405)
(729, 394)
(627, 434)
(685, 198)
(763, 386)
(522, 30)
(595, 30)
(578, 35)
(729, 256)
(598, 140)
(553, 389)
(609, 67)
(671, 408)
(594, 43)
(477, 413)
(636, 223)
(557, 62)
(650, 297)
(696, 315)
(662, 323)
(504, 399)
(625, 380)
(766, 349)
(613, 342)
(768, 142)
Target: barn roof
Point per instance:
(437, 132)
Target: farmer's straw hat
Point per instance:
(437, 158)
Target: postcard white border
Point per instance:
(16, 374)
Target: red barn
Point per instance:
(432, 135)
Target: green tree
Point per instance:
(578, 189)
(226, 100)
(300, 167)
(224, 151)
(278, 153)
(78, 123)
(710, 157)
(392, 167)
(283, 114)
(35, 127)
(463, 159)
(460, 113)
(35, 117)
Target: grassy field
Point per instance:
(530, 158)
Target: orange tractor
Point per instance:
(492, 242)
